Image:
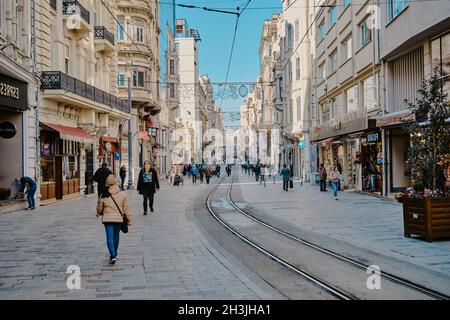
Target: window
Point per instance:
(347, 49)
(289, 36)
(297, 30)
(172, 90)
(395, 7)
(370, 92)
(365, 33)
(333, 109)
(297, 68)
(339, 107)
(333, 61)
(138, 78)
(299, 109)
(347, 3)
(322, 29)
(172, 67)
(324, 113)
(121, 28)
(290, 72)
(333, 15)
(322, 73)
(440, 57)
(139, 34)
(121, 79)
(67, 59)
(352, 99)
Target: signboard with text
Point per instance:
(13, 93)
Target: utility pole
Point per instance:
(130, 142)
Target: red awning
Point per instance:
(69, 133)
(152, 123)
(143, 135)
(110, 139)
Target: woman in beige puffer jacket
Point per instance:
(112, 219)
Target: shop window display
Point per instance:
(372, 166)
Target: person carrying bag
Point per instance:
(113, 207)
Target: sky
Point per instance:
(216, 32)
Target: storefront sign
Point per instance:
(374, 137)
(46, 149)
(117, 156)
(13, 93)
(7, 130)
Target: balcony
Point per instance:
(77, 17)
(103, 39)
(62, 87)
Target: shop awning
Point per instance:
(395, 118)
(326, 142)
(143, 135)
(110, 139)
(69, 133)
(152, 123)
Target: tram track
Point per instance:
(325, 285)
(316, 281)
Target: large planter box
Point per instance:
(427, 217)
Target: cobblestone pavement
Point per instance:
(361, 220)
(163, 256)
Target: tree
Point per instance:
(429, 151)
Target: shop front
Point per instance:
(372, 162)
(396, 141)
(109, 152)
(13, 104)
(60, 148)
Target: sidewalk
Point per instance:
(163, 257)
(361, 220)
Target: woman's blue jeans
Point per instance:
(335, 185)
(30, 196)
(112, 238)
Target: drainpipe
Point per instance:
(36, 110)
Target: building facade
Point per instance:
(18, 100)
(138, 33)
(81, 115)
(190, 131)
(347, 93)
(412, 46)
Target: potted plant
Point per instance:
(426, 206)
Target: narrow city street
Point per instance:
(180, 252)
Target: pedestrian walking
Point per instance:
(229, 170)
(123, 174)
(323, 177)
(148, 184)
(201, 172)
(285, 172)
(265, 174)
(218, 170)
(274, 173)
(100, 177)
(334, 179)
(113, 207)
(194, 174)
(31, 186)
(257, 172)
(208, 174)
(189, 170)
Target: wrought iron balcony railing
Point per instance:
(103, 33)
(53, 4)
(74, 7)
(56, 80)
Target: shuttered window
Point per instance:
(407, 78)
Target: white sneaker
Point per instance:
(335, 198)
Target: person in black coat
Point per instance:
(148, 184)
(123, 175)
(100, 177)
